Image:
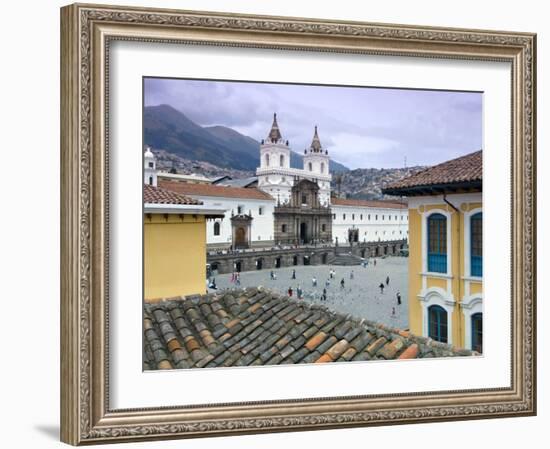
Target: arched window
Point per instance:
(216, 228)
(476, 244)
(310, 167)
(477, 332)
(283, 228)
(282, 160)
(267, 160)
(322, 167)
(437, 323)
(150, 180)
(437, 243)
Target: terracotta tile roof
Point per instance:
(368, 203)
(214, 190)
(463, 171)
(257, 327)
(158, 195)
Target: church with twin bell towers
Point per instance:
(276, 177)
(302, 213)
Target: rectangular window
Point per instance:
(476, 245)
(283, 228)
(260, 210)
(437, 243)
(304, 199)
(151, 164)
(239, 210)
(343, 216)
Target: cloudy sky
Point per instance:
(361, 127)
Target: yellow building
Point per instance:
(174, 243)
(445, 250)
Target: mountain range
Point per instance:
(166, 128)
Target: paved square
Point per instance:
(360, 297)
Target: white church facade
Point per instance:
(251, 212)
(277, 178)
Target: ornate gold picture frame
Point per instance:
(87, 32)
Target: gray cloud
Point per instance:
(361, 127)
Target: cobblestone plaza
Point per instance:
(360, 296)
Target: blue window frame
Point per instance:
(437, 323)
(477, 332)
(476, 245)
(437, 243)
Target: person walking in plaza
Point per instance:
(299, 292)
(272, 275)
(374, 262)
(381, 287)
(290, 292)
(398, 298)
(342, 284)
(314, 281)
(387, 280)
(232, 277)
(351, 275)
(327, 283)
(293, 274)
(324, 295)
(238, 279)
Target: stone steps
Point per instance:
(344, 260)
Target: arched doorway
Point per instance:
(303, 232)
(238, 266)
(278, 262)
(259, 264)
(324, 259)
(295, 260)
(307, 260)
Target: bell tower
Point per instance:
(316, 164)
(149, 168)
(274, 173)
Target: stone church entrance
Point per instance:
(303, 233)
(303, 219)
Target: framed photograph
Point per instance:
(282, 224)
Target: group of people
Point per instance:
(299, 292)
(397, 295)
(236, 278)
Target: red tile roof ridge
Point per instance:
(158, 195)
(389, 204)
(463, 169)
(215, 190)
